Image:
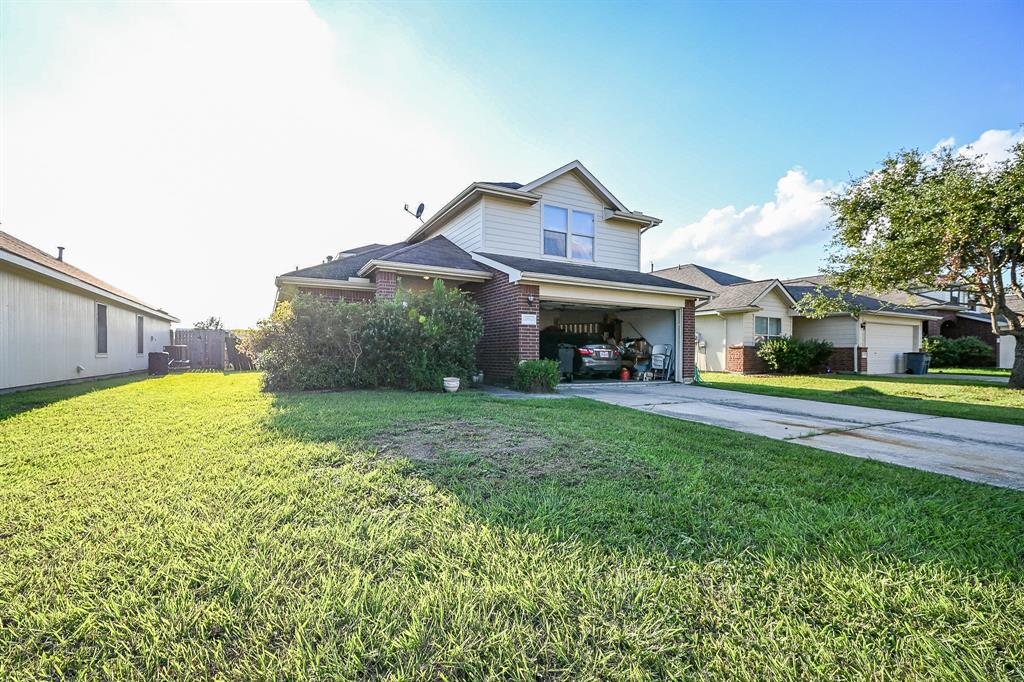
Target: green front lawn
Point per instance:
(965, 399)
(192, 527)
(978, 371)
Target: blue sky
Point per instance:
(274, 134)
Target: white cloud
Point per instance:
(728, 235)
(189, 152)
(991, 147)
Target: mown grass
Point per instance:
(976, 371)
(192, 527)
(983, 400)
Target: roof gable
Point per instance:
(586, 177)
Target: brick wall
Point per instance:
(689, 333)
(961, 326)
(351, 295)
(387, 284)
(841, 360)
(741, 359)
(862, 365)
(505, 341)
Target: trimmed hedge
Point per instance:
(412, 342)
(536, 376)
(794, 356)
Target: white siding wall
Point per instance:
(514, 229)
(1007, 348)
(466, 229)
(773, 304)
(46, 330)
(841, 330)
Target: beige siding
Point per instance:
(773, 304)
(466, 229)
(712, 330)
(841, 330)
(514, 229)
(47, 330)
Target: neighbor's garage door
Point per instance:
(886, 345)
(1007, 347)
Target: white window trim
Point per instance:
(769, 335)
(568, 235)
(96, 328)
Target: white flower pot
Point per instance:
(451, 384)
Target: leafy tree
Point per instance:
(937, 220)
(209, 323)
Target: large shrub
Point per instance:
(411, 342)
(536, 376)
(943, 352)
(794, 356)
(966, 351)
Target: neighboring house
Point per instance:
(742, 312)
(60, 324)
(559, 252)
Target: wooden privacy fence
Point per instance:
(207, 348)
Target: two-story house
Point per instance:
(558, 252)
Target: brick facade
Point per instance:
(350, 295)
(387, 284)
(741, 359)
(688, 349)
(506, 341)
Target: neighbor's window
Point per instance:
(568, 233)
(583, 235)
(768, 327)
(140, 341)
(101, 329)
(556, 229)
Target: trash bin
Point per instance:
(918, 363)
(158, 363)
(566, 357)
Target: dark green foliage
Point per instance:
(794, 356)
(967, 351)
(536, 376)
(412, 342)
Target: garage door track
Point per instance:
(973, 450)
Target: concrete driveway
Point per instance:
(972, 450)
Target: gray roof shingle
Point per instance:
(437, 252)
(738, 295)
(563, 269)
(705, 278)
(798, 291)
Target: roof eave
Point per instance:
(466, 197)
(424, 270)
(46, 271)
(541, 277)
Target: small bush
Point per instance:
(537, 376)
(966, 351)
(412, 342)
(794, 356)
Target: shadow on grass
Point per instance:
(866, 396)
(23, 401)
(632, 481)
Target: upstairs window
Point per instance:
(568, 233)
(140, 339)
(101, 329)
(556, 230)
(582, 235)
(768, 327)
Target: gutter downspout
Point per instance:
(856, 345)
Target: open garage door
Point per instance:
(886, 345)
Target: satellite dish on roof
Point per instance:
(418, 213)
